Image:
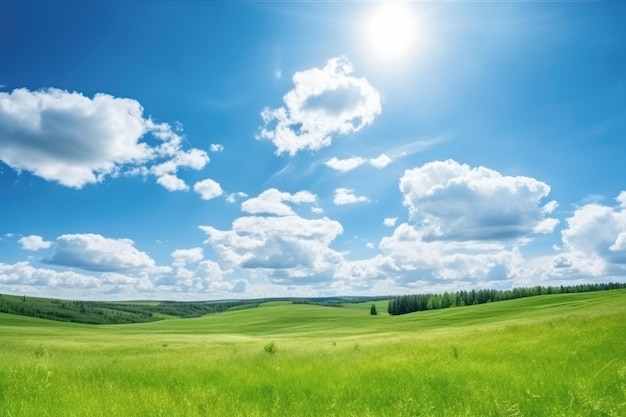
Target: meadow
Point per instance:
(550, 355)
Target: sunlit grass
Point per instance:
(560, 355)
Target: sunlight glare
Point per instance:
(390, 32)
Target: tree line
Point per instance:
(403, 304)
(335, 301)
(97, 312)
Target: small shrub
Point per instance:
(270, 348)
(40, 352)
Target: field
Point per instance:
(551, 355)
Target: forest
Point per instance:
(403, 304)
(98, 312)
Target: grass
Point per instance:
(553, 355)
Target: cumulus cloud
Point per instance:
(361, 274)
(345, 196)
(34, 243)
(418, 257)
(172, 183)
(594, 242)
(93, 252)
(273, 201)
(286, 242)
(276, 240)
(204, 277)
(390, 221)
(216, 147)
(76, 140)
(456, 202)
(24, 274)
(466, 226)
(193, 159)
(324, 102)
(381, 161)
(117, 267)
(344, 165)
(185, 256)
(208, 189)
(283, 247)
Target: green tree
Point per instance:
(373, 311)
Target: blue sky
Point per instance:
(203, 150)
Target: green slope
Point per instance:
(285, 318)
(274, 319)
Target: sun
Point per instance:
(390, 32)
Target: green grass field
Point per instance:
(552, 355)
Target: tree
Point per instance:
(373, 311)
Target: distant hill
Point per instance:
(103, 312)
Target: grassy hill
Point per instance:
(100, 312)
(551, 355)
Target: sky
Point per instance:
(195, 150)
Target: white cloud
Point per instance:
(206, 277)
(294, 244)
(323, 103)
(185, 256)
(418, 257)
(620, 243)
(216, 147)
(272, 201)
(381, 161)
(594, 243)
(344, 165)
(550, 207)
(390, 221)
(467, 226)
(208, 189)
(172, 183)
(119, 270)
(546, 226)
(34, 243)
(95, 252)
(22, 273)
(285, 245)
(456, 202)
(363, 273)
(232, 197)
(345, 196)
(76, 140)
(621, 199)
(194, 159)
